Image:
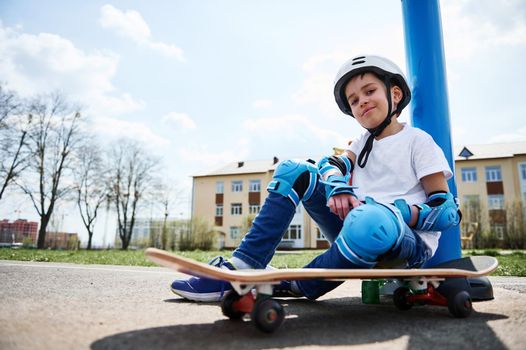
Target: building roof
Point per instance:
(249, 167)
(490, 151)
(242, 167)
(463, 152)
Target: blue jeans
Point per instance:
(259, 245)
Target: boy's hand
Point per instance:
(342, 204)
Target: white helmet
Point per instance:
(388, 71)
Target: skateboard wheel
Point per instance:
(460, 304)
(227, 306)
(268, 315)
(400, 298)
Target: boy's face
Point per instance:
(367, 98)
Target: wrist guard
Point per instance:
(335, 164)
(337, 185)
(439, 213)
(335, 172)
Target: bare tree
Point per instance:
(167, 196)
(9, 105)
(514, 234)
(90, 185)
(13, 132)
(132, 178)
(51, 139)
(165, 201)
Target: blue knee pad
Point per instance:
(294, 179)
(368, 232)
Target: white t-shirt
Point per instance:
(394, 169)
(396, 164)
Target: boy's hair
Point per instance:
(392, 81)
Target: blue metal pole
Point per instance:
(429, 106)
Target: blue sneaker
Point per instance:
(285, 290)
(204, 289)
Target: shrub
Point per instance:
(198, 235)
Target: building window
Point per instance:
(237, 186)
(236, 209)
(495, 201)
(493, 174)
(219, 209)
(498, 230)
(469, 174)
(220, 187)
(522, 170)
(293, 232)
(234, 232)
(255, 186)
(254, 208)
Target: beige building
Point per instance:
(490, 179)
(491, 183)
(229, 196)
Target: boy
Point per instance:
(397, 205)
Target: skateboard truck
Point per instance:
(266, 313)
(458, 294)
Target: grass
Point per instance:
(510, 263)
(136, 257)
(104, 257)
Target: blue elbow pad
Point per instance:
(439, 213)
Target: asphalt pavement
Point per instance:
(67, 306)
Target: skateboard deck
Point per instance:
(253, 289)
(474, 266)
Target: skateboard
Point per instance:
(252, 289)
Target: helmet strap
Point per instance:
(364, 154)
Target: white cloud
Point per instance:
(126, 23)
(459, 134)
(295, 128)
(320, 70)
(179, 119)
(131, 24)
(209, 159)
(168, 50)
(263, 103)
(114, 105)
(519, 135)
(41, 63)
(314, 63)
(317, 85)
(317, 89)
(115, 128)
(284, 136)
(473, 25)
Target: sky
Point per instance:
(204, 83)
